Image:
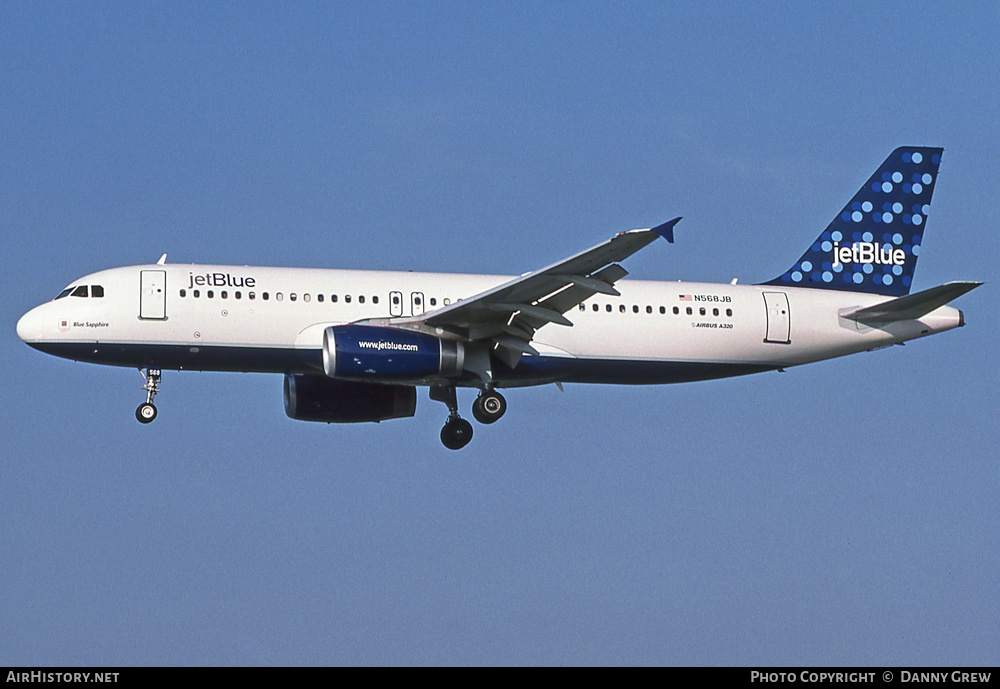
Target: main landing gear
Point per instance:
(489, 407)
(457, 432)
(146, 412)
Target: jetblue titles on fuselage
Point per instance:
(220, 280)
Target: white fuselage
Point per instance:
(241, 318)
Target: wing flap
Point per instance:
(595, 285)
(577, 293)
(532, 314)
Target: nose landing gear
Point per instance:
(146, 411)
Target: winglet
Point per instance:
(666, 230)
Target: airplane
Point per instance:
(353, 345)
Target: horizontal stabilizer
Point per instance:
(912, 306)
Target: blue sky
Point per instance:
(841, 513)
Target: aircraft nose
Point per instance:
(29, 326)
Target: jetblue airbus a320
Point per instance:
(353, 345)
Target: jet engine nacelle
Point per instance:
(360, 352)
(318, 398)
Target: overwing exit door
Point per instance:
(395, 304)
(417, 303)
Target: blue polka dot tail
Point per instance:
(873, 243)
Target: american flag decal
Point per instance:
(685, 297)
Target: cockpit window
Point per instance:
(82, 291)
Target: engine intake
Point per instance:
(318, 398)
(359, 352)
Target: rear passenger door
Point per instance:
(778, 318)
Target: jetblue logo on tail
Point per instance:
(867, 252)
(873, 244)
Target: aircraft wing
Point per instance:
(508, 315)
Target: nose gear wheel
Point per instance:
(146, 411)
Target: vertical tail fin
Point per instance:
(873, 244)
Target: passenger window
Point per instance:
(663, 309)
(196, 293)
(702, 311)
(361, 299)
(596, 307)
(447, 301)
(729, 312)
(347, 298)
(434, 301)
(583, 307)
(238, 295)
(80, 291)
(715, 312)
(374, 300)
(319, 298)
(649, 309)
(333, 298)
(292, 296)
(278, 296)
(210, 294)
(635, 308)
(265, 296)
(676, 311)
(306, 297)
(622, 308)
(183, 292)
(224, 294)
(689, 311)
(97, 291)
(251, 296)
(608, 308)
